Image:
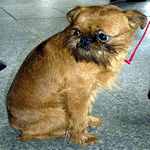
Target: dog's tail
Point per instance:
(2, 65)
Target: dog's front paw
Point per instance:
(83, 139)
(94, 121)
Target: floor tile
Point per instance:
(45, 28)
(143, 7)
(16, 42)
(32, 12)
(71, 4)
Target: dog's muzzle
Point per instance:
(84, 42)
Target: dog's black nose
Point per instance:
(85, 40)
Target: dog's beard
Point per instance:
(97, 52)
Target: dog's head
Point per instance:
(98, 33)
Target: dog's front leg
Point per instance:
(93, 121)
(77, 119)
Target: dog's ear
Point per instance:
(136, 19)
(71, 15)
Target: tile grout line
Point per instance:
(118, 99)
(39, 18)
(30, 31)
(9, 14)
(60, 10)
(20, 23)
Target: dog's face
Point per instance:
(96, 32)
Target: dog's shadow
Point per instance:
(9, 140)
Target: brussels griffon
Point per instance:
(53, 92)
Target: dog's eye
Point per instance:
(76, 32)
(103, 38)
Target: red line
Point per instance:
(129, 61)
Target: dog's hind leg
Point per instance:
(42, 125)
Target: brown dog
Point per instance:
(53, 92)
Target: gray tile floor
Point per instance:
(125, 111)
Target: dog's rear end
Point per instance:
(33, 102)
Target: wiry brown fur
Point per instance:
(53, 92)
